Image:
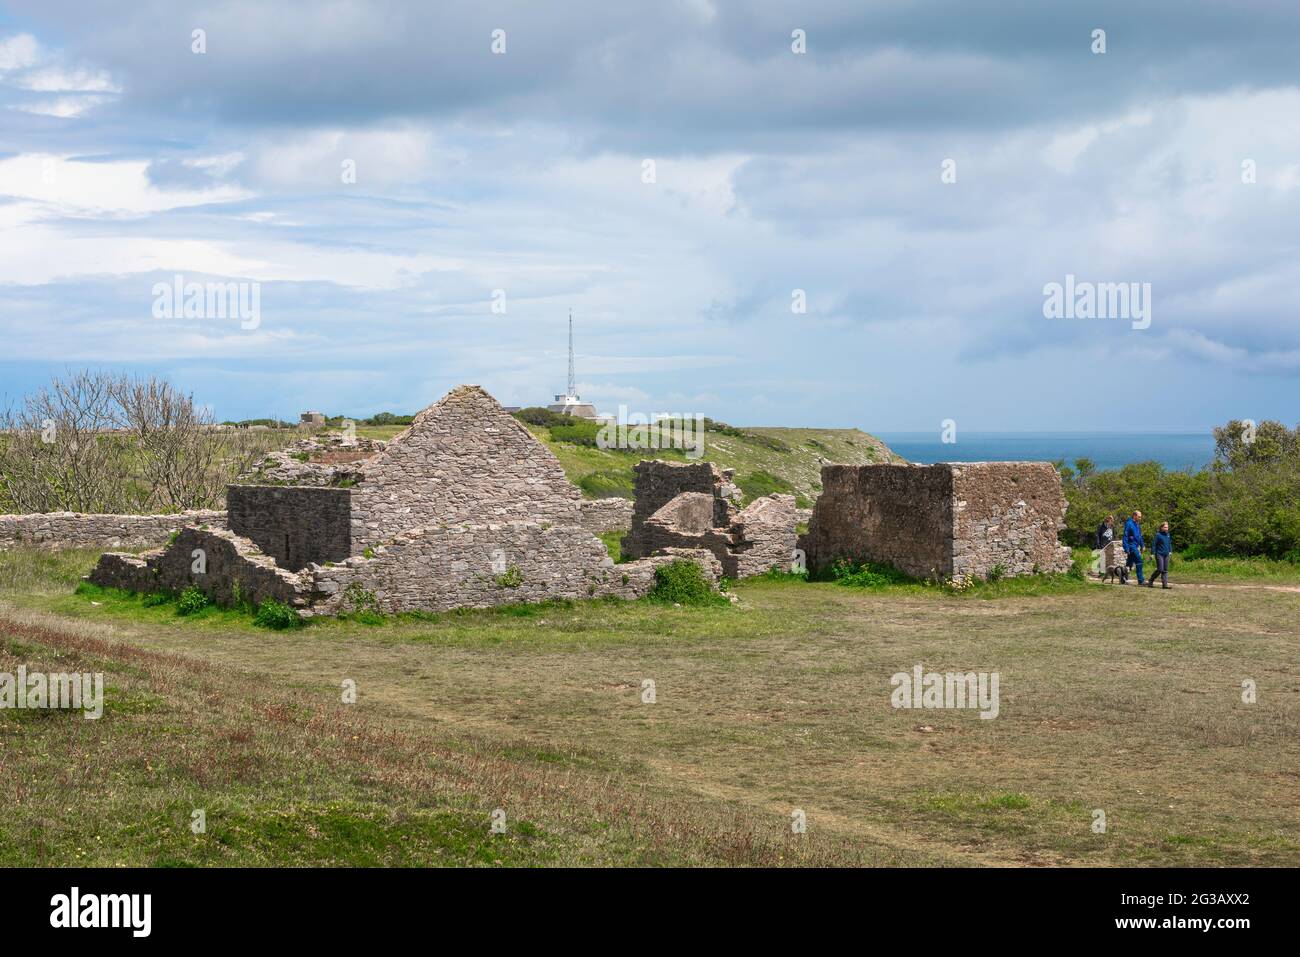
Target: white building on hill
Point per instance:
(570, 403)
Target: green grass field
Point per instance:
(1112, 699)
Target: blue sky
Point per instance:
(126, 159)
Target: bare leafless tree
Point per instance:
(97, 442)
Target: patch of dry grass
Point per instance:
(1112, 699)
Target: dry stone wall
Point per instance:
(463, 459)
(693, 506)
(603, 515)
(945, 520)
(479, 566)
(659, 482)
(895, 514)
(762, 537)
(294, 525)
(232, 569)
(1007, 517)
(85, 530)
(331, 460)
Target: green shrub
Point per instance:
(682, 582)
(610, 483)
(1247, 503)
(537, 415)
(867, 574)
(722, 428)
(277, 615)
(511, 578)
(576, 432)
(191, 600)
(361, 603)
(156, 598)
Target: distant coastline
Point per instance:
(1108, 450)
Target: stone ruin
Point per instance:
(952, 520)
(694, 505)
(464, 508)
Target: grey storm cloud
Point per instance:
(819, 172)
(680, 75)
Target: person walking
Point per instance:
(1134, 543)
(1106, 531)
(1106, 535)
(1162, 547)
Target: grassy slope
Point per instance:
(798, 465)
(1112, 698)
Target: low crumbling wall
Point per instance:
(294, 525)
(227, 568)
(88, 530)
(900, 515)
(318, 460)
(694, 506)
(479, 566)
(659, 482)
(1006, 517)
(603, 515)
(762, 537)
(434, 569)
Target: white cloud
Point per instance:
(56, 79)
(18, 52)
(74, 187)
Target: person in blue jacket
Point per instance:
(1134, 543)
(1162, 547)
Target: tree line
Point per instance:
(1246, 502)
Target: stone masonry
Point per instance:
(693, 505)
(435, 569)
(601, 515)
(84, 530)
(294, 525)
(463, 459)
(952, 520)
(463, 509)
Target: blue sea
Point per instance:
(1109, 450)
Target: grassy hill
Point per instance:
(766, 460)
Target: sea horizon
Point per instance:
(1175, 450)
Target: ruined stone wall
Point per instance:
(658, 483)
(603, 515)
(762, 537)
(1006, 517)
(234, 569)
(86, 530)
(901, 515)
(948, 520)
(331, 460)
(463, 459)
(294, 525)
(478, 566)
